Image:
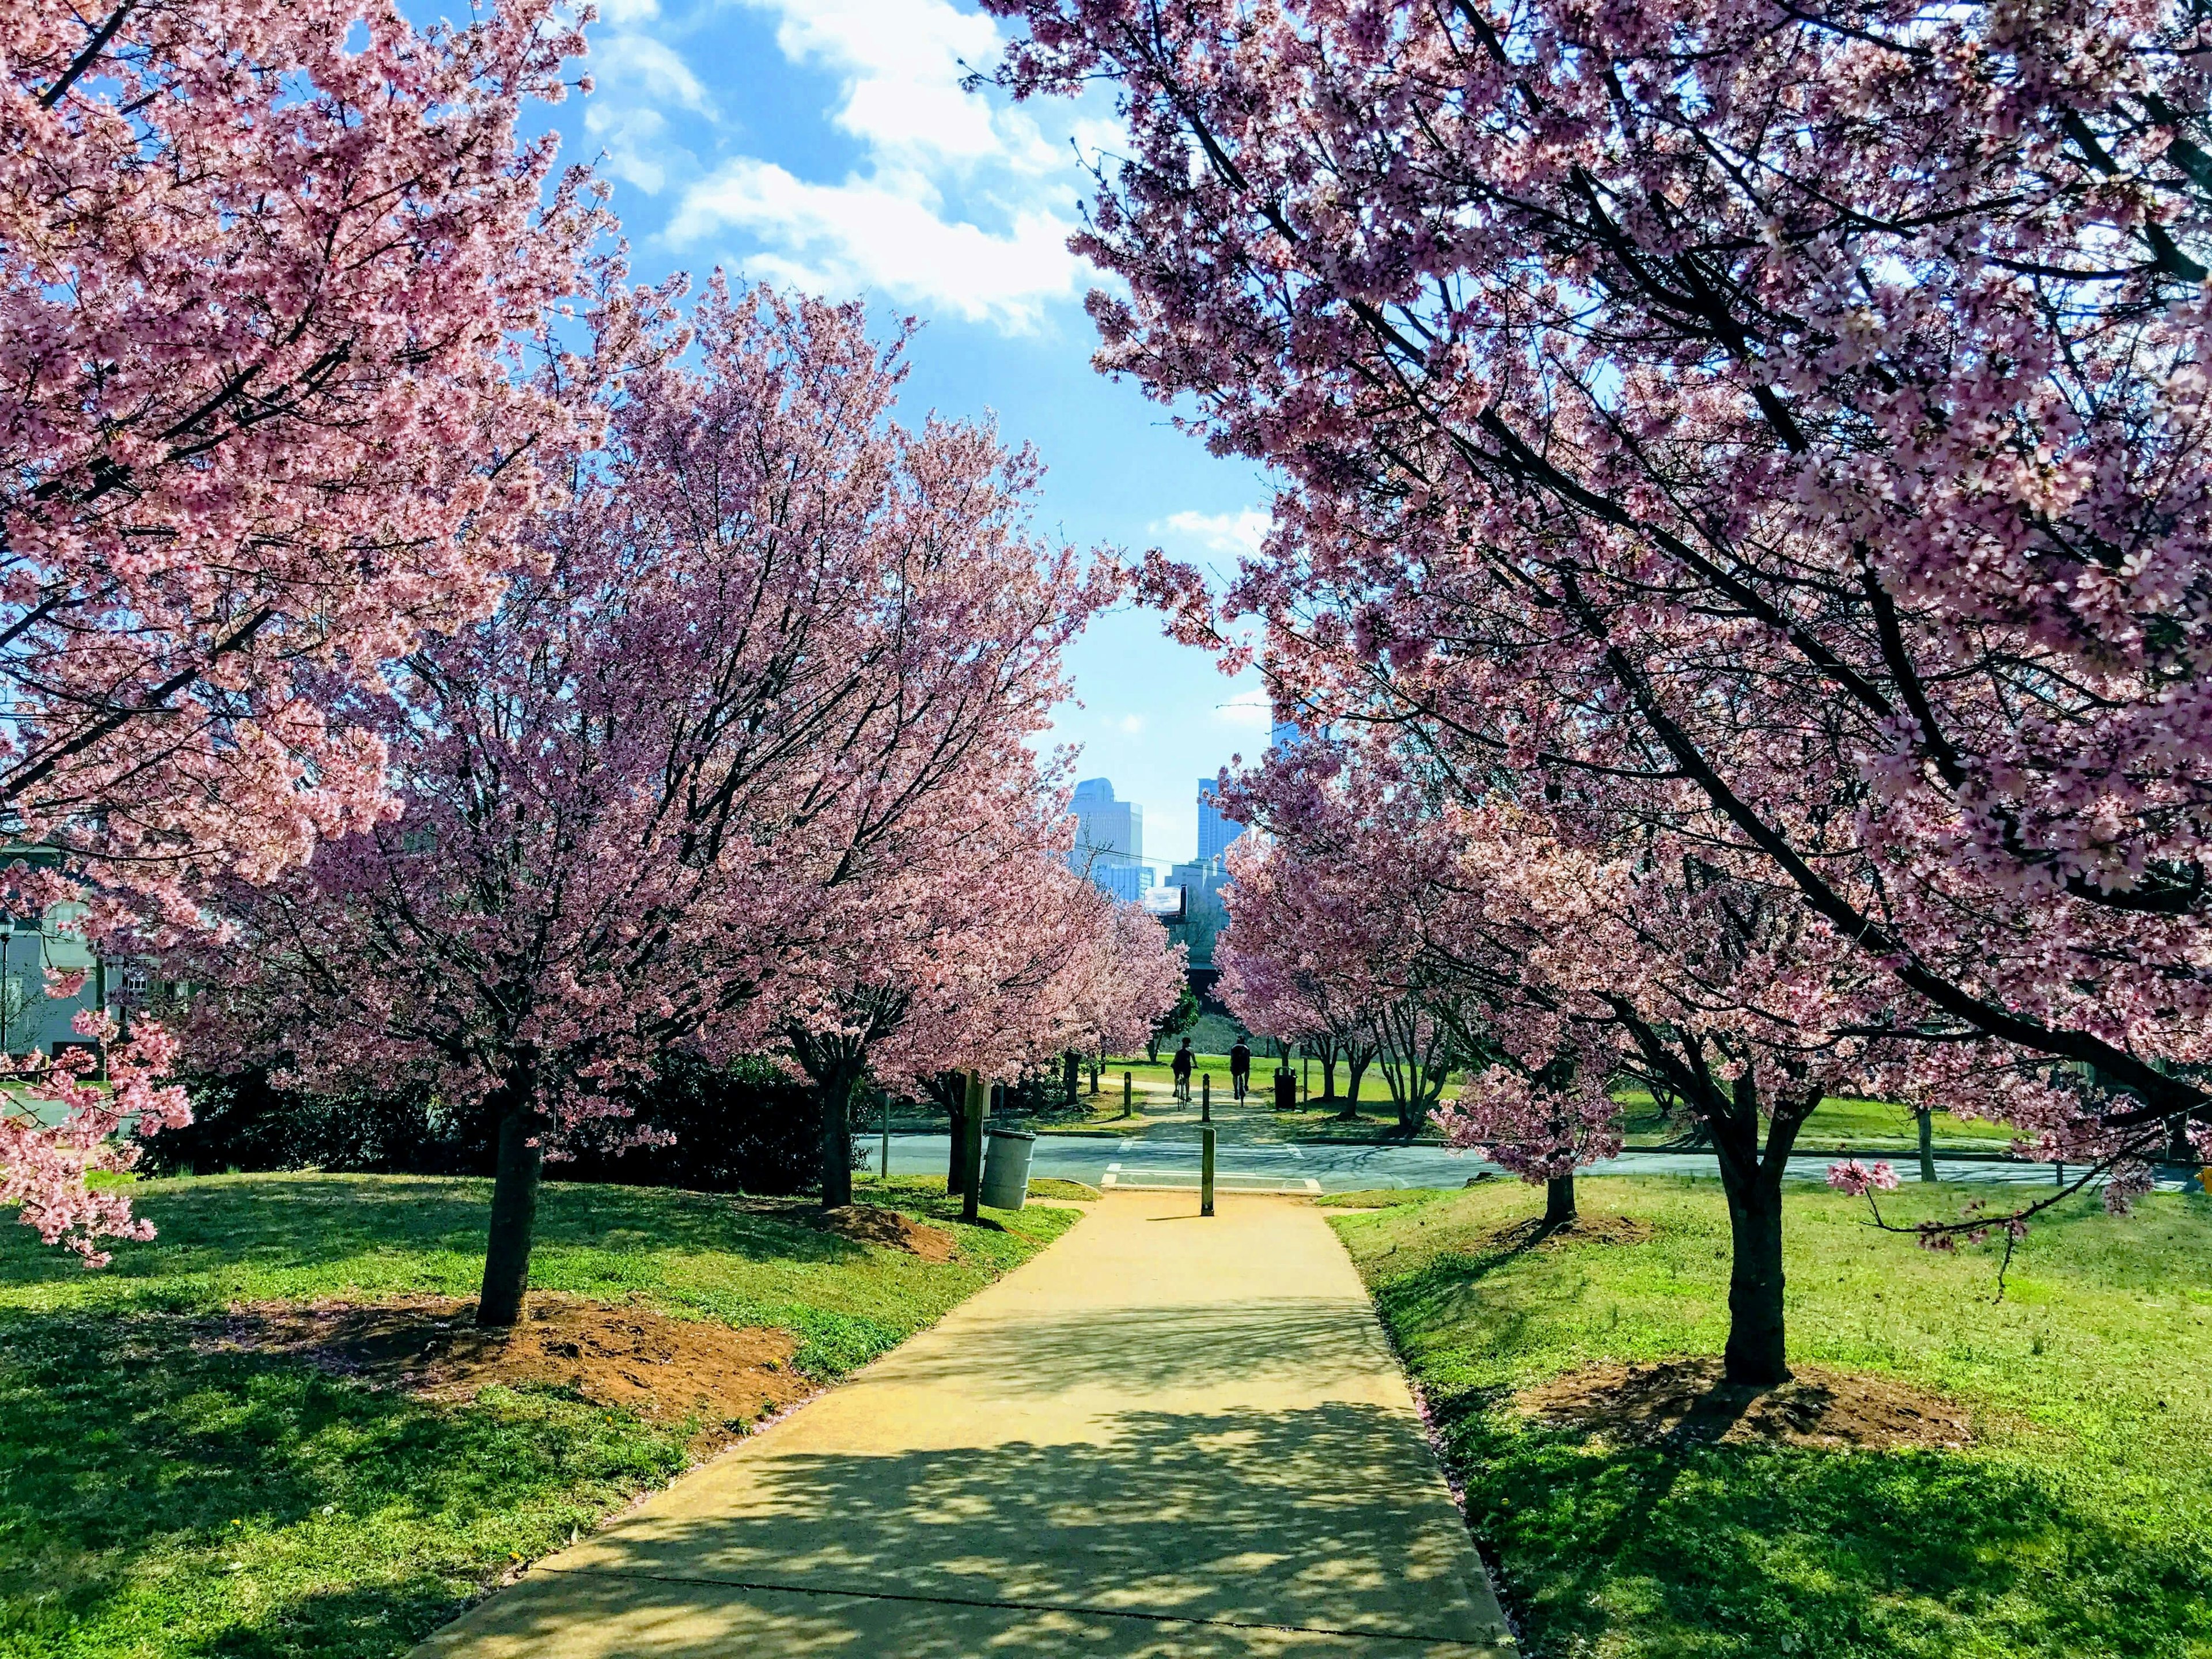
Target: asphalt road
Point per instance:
(1138, 1162)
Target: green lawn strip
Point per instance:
(2080, 1523)
(159, 1498)
(1381, 1198)
(1863, 1125)
(1051, 1187)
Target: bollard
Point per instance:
(2058, 1174)
(972, 1132)
(1206, 1096)
(1206, 1171)
(884, 1167)
(1128, 1091)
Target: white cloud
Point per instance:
(622, 12)
(1219, 532)
(639, 66)
(635, 142)
(902, 61)
(1248, 708)
(1131, 724)
(959, 202)
(633, 78)
(867, 233)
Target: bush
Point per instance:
(746, 1126)
(240, 1121)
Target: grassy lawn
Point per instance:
(2080, 1523)
(161, 1497)
(1876, 1126)
(1381, 1198)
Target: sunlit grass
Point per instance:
(2079, 1524)
(158, 1497)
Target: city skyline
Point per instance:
(1110, 827)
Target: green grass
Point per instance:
(1865, 1125)
(1051, 1187)
(1381, 1198)
(158, 1498)
(2078, 1526)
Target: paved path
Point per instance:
(1165, 1436)
(1152, 1160)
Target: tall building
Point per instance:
(1215, 832)
(1110, 840)
(1204, 913)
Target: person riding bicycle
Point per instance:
(1240, 1068)
(1184, 1059)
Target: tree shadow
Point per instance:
(207, 1224)
(1698, 1548)
(1319, 1529)
(157, 1494)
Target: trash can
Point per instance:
(1286, 1090)
(1006, 1167)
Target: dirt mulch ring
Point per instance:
(872, 1224)
(864, 1223)
(1583, 1230)
(662, 1369)
(1685, 1402)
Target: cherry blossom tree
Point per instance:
(993, 961)
(1567, 968)
(1291, 967)
(268, 276)
(1774, 432)
(765, 644)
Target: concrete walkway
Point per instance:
(1164, 1436)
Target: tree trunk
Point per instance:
(972, 1160)
(1409, 1102)
(956, 1162)
(1755, 1352)
(837, 1135)
(1753, 1356)
(1355, 1069)
(1075, 1080)
(1927, 1144)
(1559, 1201)
(513, 1219)
(1328, 1074)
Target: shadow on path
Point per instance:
(1192, 1535)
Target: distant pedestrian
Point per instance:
(1184, 1059)
(1240, 1068)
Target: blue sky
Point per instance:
(827, 144)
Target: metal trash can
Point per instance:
(1286, 1090)
(1006, 1156)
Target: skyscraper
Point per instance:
(1215, 832)
(1110, 840)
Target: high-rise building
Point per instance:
(1110, 840)
(1215, 832)
(1126, 882)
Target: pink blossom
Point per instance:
(746, 759)
(1857, 1178)
(269, 279)
(1808, 514)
